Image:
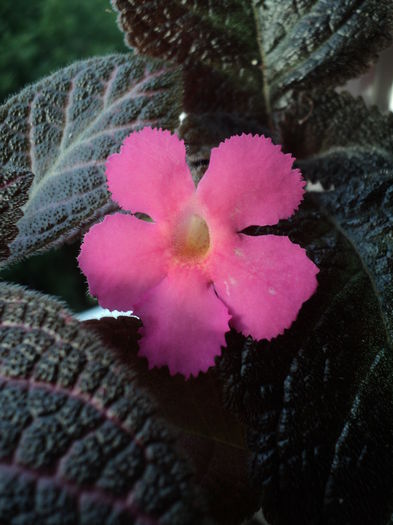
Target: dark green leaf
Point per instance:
(214, 41)
(314, 43)
(349, 149)
(318, 401)
(296, 43)
(205, 131)
(79, 441)
(63, 128)
(14, 191)
(207, 432)
(212, 33)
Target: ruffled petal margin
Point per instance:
(250, 182)
(263, 281)
(184, 323)
(150, 174)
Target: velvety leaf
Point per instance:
(14, 191)
(213, 33)
(297, 44)
(205, 131)
(79, 441)
(318, 401)
(349, 149)
(206, 431)
(214, 41)
(308, 43)
(63, 128)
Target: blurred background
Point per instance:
(37, 37)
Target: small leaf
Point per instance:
(318, 401)
(207, 433)
(63, 128)
(79, 441)
(14, 191)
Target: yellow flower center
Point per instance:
(192, 239)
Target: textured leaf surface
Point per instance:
(14, 191)
(296, 43)
(202, 132)
(215, 41)
(206, 431)
(308, 43)
(349, 149)
(63, 128)
(318, 401)
(79, 442)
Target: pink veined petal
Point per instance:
(150, 174)
(122, 257)
(184, 323)
(264, 281)
(250, 181)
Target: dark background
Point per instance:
(37, 37)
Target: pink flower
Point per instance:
(190, 272)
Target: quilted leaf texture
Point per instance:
(215, 42)
(63, 128)
(318, 400)
(348, 148)
(79, 443)
(210, 436)
(317, 43)
(282, 44)
(14, 191)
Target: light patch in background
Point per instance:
(391, 99)
(317, 187)
(97, 313)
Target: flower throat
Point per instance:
(192, 239)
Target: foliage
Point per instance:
(51, 34)
(316, 402)
(94, 105)
(84, 440)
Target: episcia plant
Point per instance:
(294, 310)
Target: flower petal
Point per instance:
(250, 181)
(184, 323)
(264, 281)
(122, 257)
(150, 174)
